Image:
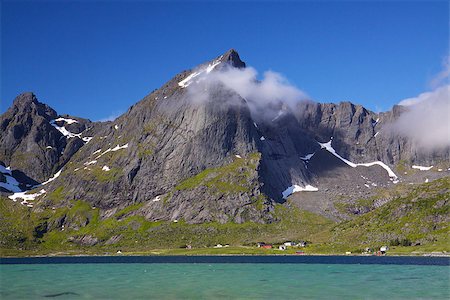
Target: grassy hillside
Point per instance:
(419, 220)
(85, 232)
(414, 222)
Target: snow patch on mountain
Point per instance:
(5, 170)
(307, 156)
(90, 162)
(296, 188)
(279, 114)
(51, 178)
(212, 66)
(11, 183)
(66, 132)
(375, 122)
(327, 146)
(421, 168)
(206, 70)
(112, 150)
(26, 197)
(68, 121)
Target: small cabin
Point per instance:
(302, 244)
(282, 247)
(289, 244)
(266, 246)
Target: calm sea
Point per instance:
(225, 277)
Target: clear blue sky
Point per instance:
(95, 59)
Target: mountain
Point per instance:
(207, 156)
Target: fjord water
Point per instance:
(419, 279)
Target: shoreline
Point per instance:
(229, 259)
(153, 254)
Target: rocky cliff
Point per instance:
(178, 157)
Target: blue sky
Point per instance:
(95, 59)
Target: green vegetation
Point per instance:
(368, 204)
(417, 222)
(420, 217)
(128, 210)
(234, 177)
(16, 225)
(150, 128)
(145, 150)
(194, 181)
(106, 176)
(402, 167)
(57, 195)
(133, 233)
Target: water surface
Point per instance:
(232, 277)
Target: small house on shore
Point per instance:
(302, 244)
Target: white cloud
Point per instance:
(427, 119)
(442, 77)
(111, 117)
(265, 96)
(415, 100)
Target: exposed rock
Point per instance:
(84, 240)
(30, 144)
(113, 240)
(208, 160)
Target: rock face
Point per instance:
(31, 144)
(197, 158)
(361, 135)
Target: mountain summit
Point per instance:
(179, 158)
(232, 57)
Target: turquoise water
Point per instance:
(223, 281)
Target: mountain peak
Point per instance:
(232, 57)
(25, 99)
(28, 103)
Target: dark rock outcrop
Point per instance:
(30, 144)
(201, 160)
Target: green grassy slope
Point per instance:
(414, 222)
(418, 220)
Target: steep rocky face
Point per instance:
(169, 138)
(34, 142)
(361, 135)
(232, 58)
(28, 142)
(203, 156)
